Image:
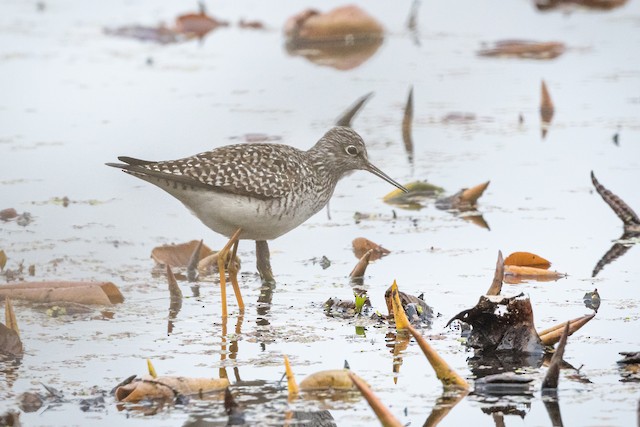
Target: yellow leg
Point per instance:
(223, 256)
(233, 275)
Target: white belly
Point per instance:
(259, 219)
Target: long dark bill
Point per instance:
(374, 170)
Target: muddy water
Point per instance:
(74, 98)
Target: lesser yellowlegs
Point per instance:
(257, 191)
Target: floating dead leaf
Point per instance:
(387, 419)
(471, 195)
(345, 309)
(527, 259)
(160, 34)
(104, 293)
(552, 335)
(180, 254)
(3, 260)
(524, 49)
(167, 388)
(459, 118)
(419, 191)
(345, 24)
(415, 308)
(197, 24)
(342, 38)
(496, 284)
(7, 214)
(514, 274)
(362, 245)
(332, 379)
(361, 266)
(591, 4)
(464, 200)
(252, 25)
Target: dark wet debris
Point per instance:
(501, 324)
(629, 357)
(416, 309)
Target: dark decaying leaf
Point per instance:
(553, 373)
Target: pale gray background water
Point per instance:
(73, 98)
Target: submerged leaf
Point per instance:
(515, 274)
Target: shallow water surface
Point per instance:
(74, 98)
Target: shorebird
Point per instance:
(257, 191)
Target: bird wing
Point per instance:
(257, 170)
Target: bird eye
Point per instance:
(351, 150)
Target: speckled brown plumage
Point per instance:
(265, 189)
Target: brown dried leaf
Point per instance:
(361, 246)
(198, 24)
(178, 255)
(7, 214)
(165, 387)
(471, 195)
(496, 285)
(3, 260)
(334, 26)
(336, 379)
(552, 335)
(104, 293)
(361, 266)
(527, 259)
